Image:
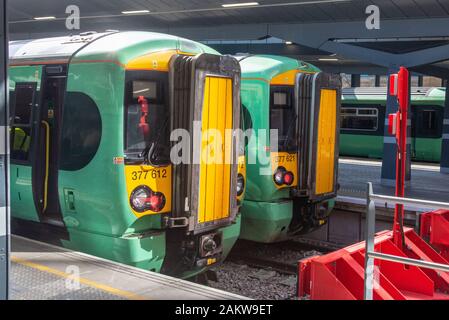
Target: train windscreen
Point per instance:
(146, 115)
(283, 117)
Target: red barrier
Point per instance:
(434, 228)
(339, 275)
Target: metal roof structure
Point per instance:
(412, 33)
(211, 13)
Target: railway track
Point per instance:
(281, 257)
(281, 267)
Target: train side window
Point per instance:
(81, 131)
(359, 119)
(22, 102)
(428, 124)
(283, 117)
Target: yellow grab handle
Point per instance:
(47, 162)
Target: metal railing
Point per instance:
(371, 255)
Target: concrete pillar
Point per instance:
(445, 143)
(420, 81)
(4, 159)
(377, 81)
(388, 177)
(355, 80)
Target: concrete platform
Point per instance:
(45, 272)
(427, 182)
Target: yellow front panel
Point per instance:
(215, 171)
(242, 171)
(285, 79)
(326, 142)
(157, 179)
(287, 160)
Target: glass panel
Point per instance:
(429, 122)
(147, 117)
(81, 132)
(280, 98)
(365, 119)
(24, 98)
(20, 143)
(146, 89)
(367, 80)
(283, 117)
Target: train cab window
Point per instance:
(359, 119)
(22, 101)
(246, 123)
(428, 123)
(147, 121)
(81, 131)
(283, 117)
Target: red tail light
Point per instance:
(283, 177)
(288, 178)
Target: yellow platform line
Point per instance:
(87, 282)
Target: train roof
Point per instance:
(121, 46)
(269, 66)
(380, 94)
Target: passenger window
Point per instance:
(283, 117)
(20, 143)
(359, 119)
(147, 122)
(22, 102)
(81, 131)
(428, 123)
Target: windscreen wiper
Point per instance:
(289, 131)
(149, 151)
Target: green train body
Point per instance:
(283, 94)
(363, 123)
(77, 103)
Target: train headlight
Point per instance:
(240, 184)
(139, 198)
(143, 199)
(279, 176)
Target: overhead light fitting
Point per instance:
(288, 42)
(136, 11)
(45, 18)
(243, 4)
(327, 59)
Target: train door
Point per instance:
(23, 97)
(47, 134)
(427, 130)
(318, 105)
(413, 131)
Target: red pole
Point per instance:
(401, 157)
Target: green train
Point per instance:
(91, 170)
(291, 175)
(363, 122)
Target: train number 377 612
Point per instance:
(153, 174)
